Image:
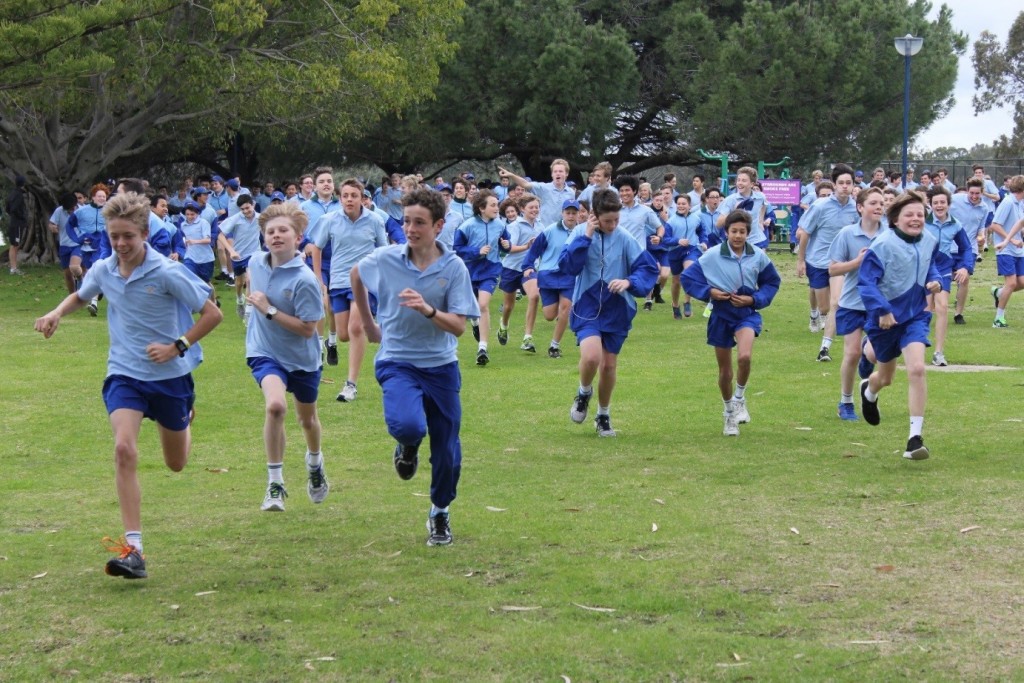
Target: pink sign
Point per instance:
(781, 192)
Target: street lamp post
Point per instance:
(908, 46)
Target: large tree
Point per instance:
(999, 79)
(89, 85)
(758, 79)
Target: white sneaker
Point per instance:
(348, 393)
(939, 359)
(731, 427)
(93, 307)
(274, 500)
(740, 410)
(317, 487)
(815, 325)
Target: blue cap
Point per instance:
(444, 187)
(193, 206)
(571, 183)
(217, 179)
(367, 194)
(196, 191)
(233, 184)
(470, 176)
(859, 174)
(277, 196)
(570, 204)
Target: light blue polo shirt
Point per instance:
(245, 235)
(845, 247)
(1008, 213)
(292, 289)
(971, 216)
(350, 241)
(197, 253)
(733, 201)
(407, 335)
(520, 233)
(822, 223)
(154, 304)
(551, 200)
(640, 221)
(587, 195)
(314, 208)
(59, 217)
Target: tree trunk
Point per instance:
(39, 244)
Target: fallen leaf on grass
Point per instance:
(659, 501)
(566, 679)
(511, 450)
(491, 508)
(867, 642)
(645, 559)
(605, 610)
(325, 380)
(421, 495)
(175, 607)
(572, 509)
(802, 429)
(759, 393)
(794, 530)
(654, 527)
(1013, 419)
(469, 574)
(737, 657)
(369, 544)
(3, 558)
(828, 585)
(202, 593)
(518, 608)
(968, 529)
(395, 554)
(39, 576)
(52, 531)
(217, 470)
(857, 443)
(309, 666)
(728, 664)
(884, 568)
(325, 659)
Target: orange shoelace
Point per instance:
(120, 546)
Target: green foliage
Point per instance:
(999, 80)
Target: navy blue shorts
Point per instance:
(849, 320)
(342, 301)
(722, 333)
(889, 344)
(549, 297)
(1010, 265)
(511, 280)
(946, 281)
(168, 401)
(817, 278)
(65, 254)
(487, 285)
(240, 267)
(611, 341)
(204, 271)
(305, 385)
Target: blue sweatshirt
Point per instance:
(948, 233)
(471, 236)
(893, 275)
(544, 254)
(596, 261)
(750, 274)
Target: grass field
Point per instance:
(805, 549)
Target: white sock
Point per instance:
(555, 344)
(740, 388)
(502, 326)
(826, 342)
(814, 313)
(1000, 312)
(845, 398)
(275, 475)
(870, 395)
(134, 539)
(332, 339)
(239, 299)
(587, 390)
(824, 319)
(435, 511)
(603, 410)
(916, 425)
(483, 346)
(313, 460)
(224, 270)
(727, 404)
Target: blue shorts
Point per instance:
(722, 333)
(342, 301)
(488, 285)
(511, 280)
(305, 385)
(946, 281)
(168, 401)
(549, 297)
(325, 277)
(88, 258)
(204, 271)
(763, 244)
(660, 257)
(1007, 265)
(889, 344)
(848, 320)
(611, 341)
(817, 278)
(240, 266)
(65, 254)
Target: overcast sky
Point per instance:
(961, 128)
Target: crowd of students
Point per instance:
(408, 265)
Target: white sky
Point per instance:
(961, 128)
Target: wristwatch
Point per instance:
(271, 312)
(181, 346)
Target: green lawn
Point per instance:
(804, 549)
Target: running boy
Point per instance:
(153, 350)
(896, 274)
(611, 268)
(282, 347)
(424, 295)
(739, 279)
(555, 286)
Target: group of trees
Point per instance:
(92, 89)
(999, 78)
